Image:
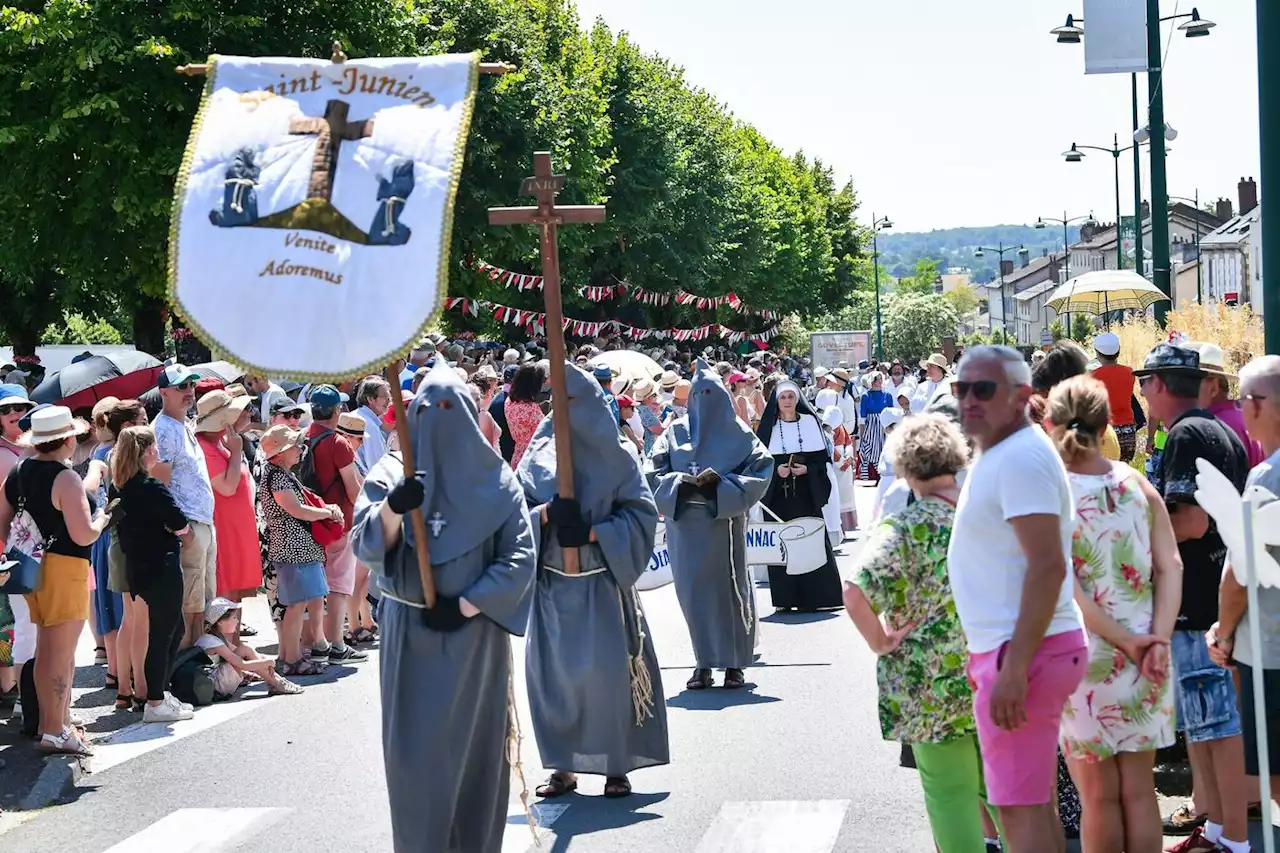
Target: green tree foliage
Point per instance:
(955, 246)
(1057, 330)
(964, 299)
(1081, 328)
(94, 120)
(915, 324)
(78, 329)
(923, 280)
(858, 313)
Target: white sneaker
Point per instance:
(173, 702)
(164, 713)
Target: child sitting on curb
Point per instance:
(237, 664)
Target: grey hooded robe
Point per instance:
(445, 696)
(707, 536)
(595, 692)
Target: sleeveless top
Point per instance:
(33, 480)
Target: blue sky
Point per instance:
(947, 113)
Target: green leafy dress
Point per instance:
(924, 693)
(1115, 709)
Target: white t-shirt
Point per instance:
(1022, 475)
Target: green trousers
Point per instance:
(951, 776)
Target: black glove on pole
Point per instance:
(407, 495)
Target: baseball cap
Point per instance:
(625, 402)
(25, 423)
(602, 372)
(327, 397)
(175, 374)
(218, 608)
(1107, 344)
(284, 404)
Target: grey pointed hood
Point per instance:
(711, 435)
(597, 448)
(468, 484)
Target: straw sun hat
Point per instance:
(278, 439)
(52, 424)
(218, 410)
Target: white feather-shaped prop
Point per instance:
(1219, 498)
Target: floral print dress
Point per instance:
(1115, 709)
(924, 693)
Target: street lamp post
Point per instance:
(1199, 267)
(1075, 155)
(1004, 309)
(878, 225)
(1042, 222)
(1194, 27)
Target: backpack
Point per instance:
(307, 464)
(190, 677)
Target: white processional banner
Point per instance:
(1115, 40)
(313, 210)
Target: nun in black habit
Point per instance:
(595, 691)
(447, 719)
(800, 488)
(708, 471)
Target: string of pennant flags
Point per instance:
(536, 323)
(601, 293)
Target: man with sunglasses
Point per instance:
(1171, 380)
(182, 468)
(1008, 558)
(287, 412)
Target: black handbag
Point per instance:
(19, 572)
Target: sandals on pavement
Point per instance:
(123, 702)
(700, 680)
(302, 667)
(557, 785)
(67, 743)
(99, 655)
(284, 687)
(616, 787)
(734, 679)
(1183, 822)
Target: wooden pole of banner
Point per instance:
(544, 185)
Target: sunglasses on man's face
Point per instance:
(984, 390)
(185, 386)
(291, 416)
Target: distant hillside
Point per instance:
(954, 247)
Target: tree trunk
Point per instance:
(148, 327)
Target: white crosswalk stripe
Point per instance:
(795, 826)
(199, 830)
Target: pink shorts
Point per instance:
(1021, 766)
(340, 566)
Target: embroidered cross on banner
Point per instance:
(694, 469)
(437, 524)
(329, 131)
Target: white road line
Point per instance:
(769, 826)
(518, 838)
(141, 738)
(197, 830)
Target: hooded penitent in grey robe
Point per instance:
(445, 696)
(707, 527)
(595, 692)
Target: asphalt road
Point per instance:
(795, 763)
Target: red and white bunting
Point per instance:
(536, 324)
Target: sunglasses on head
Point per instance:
(983, 390)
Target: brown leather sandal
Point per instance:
(557, 785)
(701, 680)
(734, 679)
(616, 787)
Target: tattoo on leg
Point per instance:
(60, 687)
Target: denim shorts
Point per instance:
(1205, 692)
(299, 582)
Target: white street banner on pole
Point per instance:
(1115, 40)
(313, 209)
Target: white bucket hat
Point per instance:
(52, 424)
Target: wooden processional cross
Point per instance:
(549, 216)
